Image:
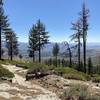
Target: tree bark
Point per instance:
(39, 50)
(70, 58)
(56, 60)
(0, 39)
(79, 51)
(84, 53)
(0, 30)
(85, 28)
(33, 57)
(11, 48)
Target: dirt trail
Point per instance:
(58, 84)
(20, 89)
(40, 89)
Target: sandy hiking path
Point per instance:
(20, 89)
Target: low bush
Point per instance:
(78, 92)
(70, 73)
(23, 64)
(26, 64)
(96, 78)
(5, 73)
(38, 67)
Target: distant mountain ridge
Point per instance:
(23, 47)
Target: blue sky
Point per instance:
(57, 15)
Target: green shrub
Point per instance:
(96, 78)
(78, 92)
(70, 73)
(38, 66)
(5, 73)
(24, 64)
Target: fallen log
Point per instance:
(22, 66)
(36, 75)
(7, 79)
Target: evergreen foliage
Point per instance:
(37, 39)
(11, 43)
(33, 42)
(90, 66)
(55, 52)
(3, 25)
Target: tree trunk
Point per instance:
(39, 55)
(39, 50)
(0, 39)
(84, 53)
(33, 57)
(56, 60)
(11, 57)
(11, 49)
(70, 58)
(79, 52)
(85, 28)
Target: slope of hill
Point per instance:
(49, 87)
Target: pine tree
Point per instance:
(3, 25)
(20, 56)
(11, 43)
(55, 52)
(84, 19)
(98, 69)
(90, 66)
(63, 62)
(49, 62)
(33, 42)
(42, 36)
(68, 52)
(81, 68)
(15, 45)
(77, 27)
